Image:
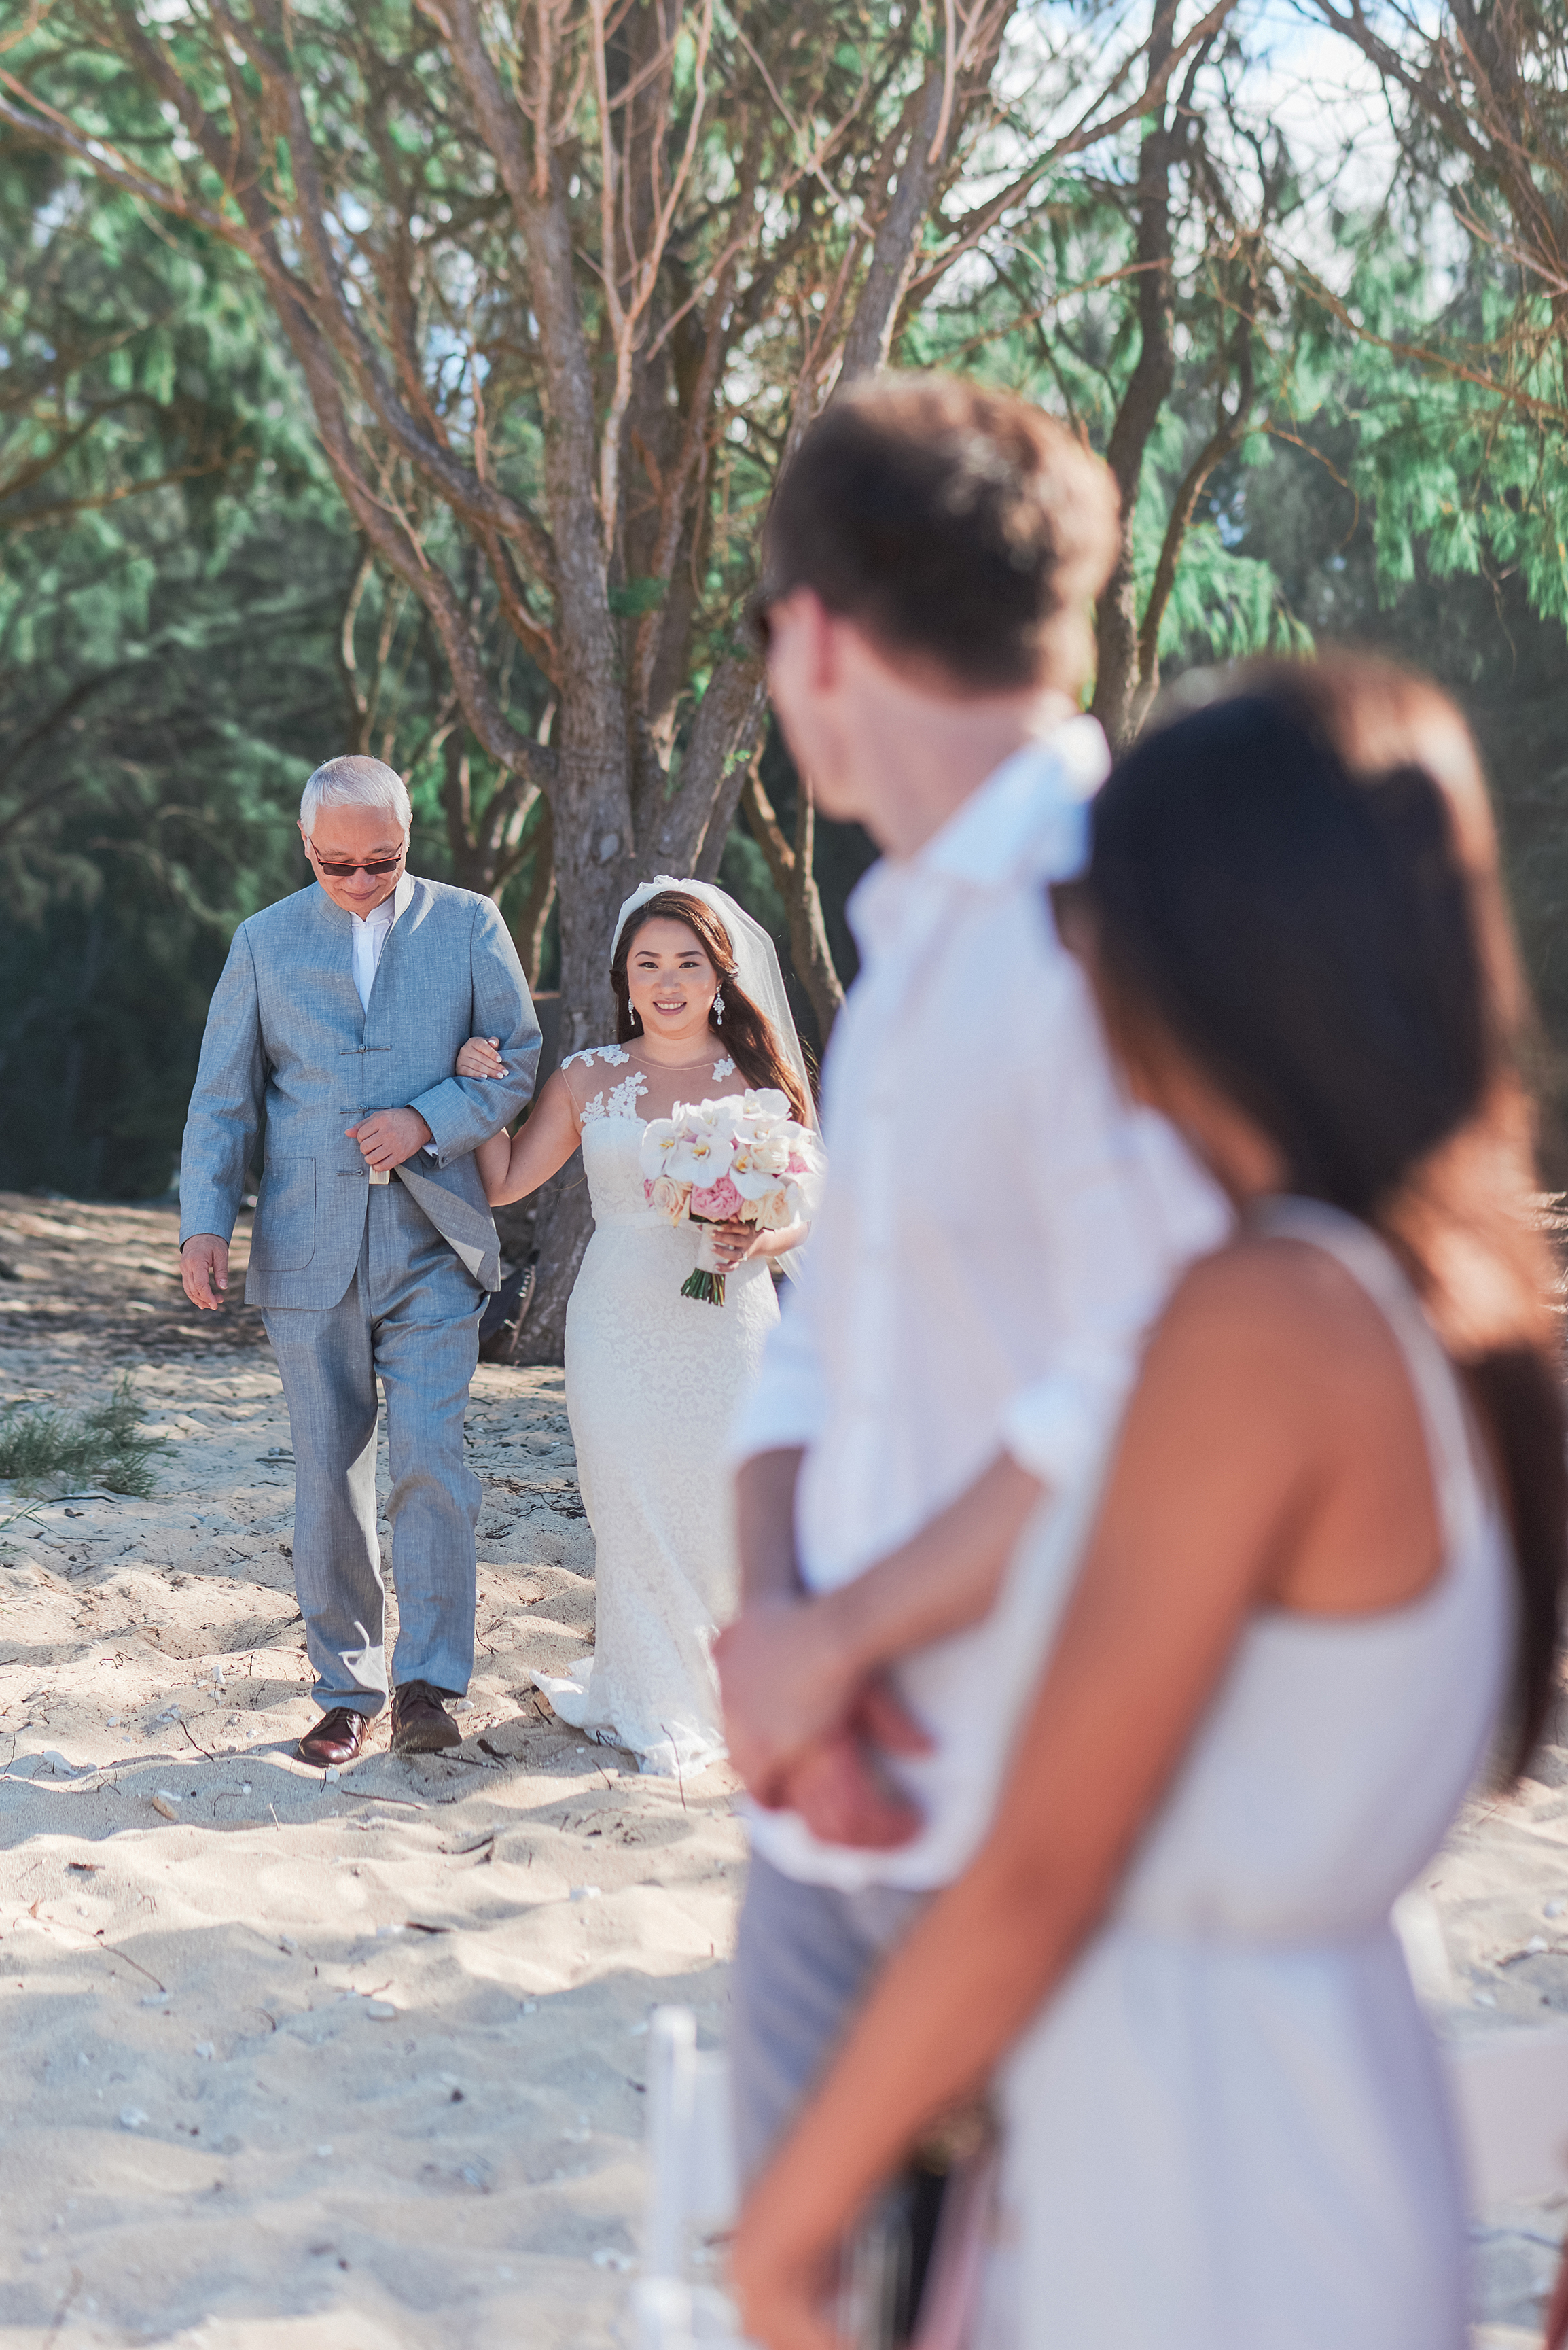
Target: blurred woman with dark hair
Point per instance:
(1320, 1574)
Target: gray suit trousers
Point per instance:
(410, 1315)
(805, 1958)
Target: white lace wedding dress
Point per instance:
(653, 1380)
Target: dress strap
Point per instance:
(1371, 1263)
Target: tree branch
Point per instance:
(692, 824)
(791, 865)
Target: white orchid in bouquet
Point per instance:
(742, 1159)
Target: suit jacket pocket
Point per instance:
(282, 1239)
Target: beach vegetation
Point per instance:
(45, 1450)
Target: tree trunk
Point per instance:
(564, 1229)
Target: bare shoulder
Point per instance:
(1267, 1278)
(1274, 1445)
(1269, 1305)
(557, 1088)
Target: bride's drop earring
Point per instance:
(717, 1007)
(636, 1017)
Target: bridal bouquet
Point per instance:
(742, 1157)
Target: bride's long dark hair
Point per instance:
(1299, 885)
(745, 1032)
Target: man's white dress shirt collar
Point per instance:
(370, 933)
(1029, 819)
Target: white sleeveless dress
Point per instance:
(653, 1380)
(1227, 2131)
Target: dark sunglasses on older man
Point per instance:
(342, 872)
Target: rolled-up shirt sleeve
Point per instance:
(786, 1405)
(1051, 1427)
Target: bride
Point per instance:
(653, 1379)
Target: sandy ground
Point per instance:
(358, 2063)
(352, 2063)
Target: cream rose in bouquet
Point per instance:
(742, 1159)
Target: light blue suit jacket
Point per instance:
(286, 1039)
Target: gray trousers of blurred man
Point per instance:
(805, 1955)
(411, 1317)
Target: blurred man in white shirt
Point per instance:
(999, 1227)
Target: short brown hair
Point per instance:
(950, 521)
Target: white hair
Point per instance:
(354, 782)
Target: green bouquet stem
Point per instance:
(708, 1288)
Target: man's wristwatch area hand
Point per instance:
(387, 1137)
(204, 1270)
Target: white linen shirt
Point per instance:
(999, 1228)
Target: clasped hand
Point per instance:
(387, 1137)
(804, 1726)
(733, 1242)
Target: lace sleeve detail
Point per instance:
(623, 1099)
(619, 1101)
(579, 1071)
(612, 1055)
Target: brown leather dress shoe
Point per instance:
(338, 1737)
(421, 1723)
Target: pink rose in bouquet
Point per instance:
(715, 1203)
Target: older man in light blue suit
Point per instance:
(337, 1021)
